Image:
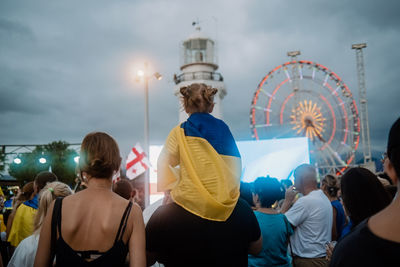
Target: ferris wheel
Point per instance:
(304, 98)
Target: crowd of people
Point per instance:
(207, 217)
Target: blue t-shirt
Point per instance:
(340, 217)
(346, 229)
(275, 230)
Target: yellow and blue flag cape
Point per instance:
(23, 222)
(3, 227)
(200, 163)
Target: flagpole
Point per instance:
(146, 136)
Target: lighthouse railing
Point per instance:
(198, 75)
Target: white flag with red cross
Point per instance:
(137, 162)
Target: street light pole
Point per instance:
(146, 135)
(145, 75)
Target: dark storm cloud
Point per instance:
(66, 66)
(11, 29)
(16, 94)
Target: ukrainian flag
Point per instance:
(200, 163)
(23, 222)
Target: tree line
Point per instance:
(59, 158)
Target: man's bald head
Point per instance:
(305, 178)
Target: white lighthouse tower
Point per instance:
(199, 65)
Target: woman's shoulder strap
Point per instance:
(56, 217)
(55, 221)
(123, 223)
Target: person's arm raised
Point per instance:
(43, 252)
(290, 196)
(137, 241)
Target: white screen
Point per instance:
(274, 157)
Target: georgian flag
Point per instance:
(137, 162)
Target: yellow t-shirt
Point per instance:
(22, 226)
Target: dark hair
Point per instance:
(197, 97)
(26, 192)
(395, 160)
(44, 177)
(393, 147)
(363, 194)
(269, 190)
(99, 156)
(332, 184)
(245, 193)
(391, 190)
(386, 177)
(123, 188)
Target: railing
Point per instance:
(198, 75)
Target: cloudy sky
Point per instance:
(66, 67)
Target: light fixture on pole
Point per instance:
(17, 160)
(42, 159)
(146, 75)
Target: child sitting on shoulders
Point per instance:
(200, 163)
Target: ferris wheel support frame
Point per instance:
(365, 137)
(295, 74)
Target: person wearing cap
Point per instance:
(376, 240)
(22, 226)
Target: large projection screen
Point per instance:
(274, 157)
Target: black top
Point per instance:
(362, 248)
(115, 256)
(180, 238)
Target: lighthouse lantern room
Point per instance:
(199, 65)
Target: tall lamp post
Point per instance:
(146, 75)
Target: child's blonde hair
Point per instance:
(198, 97)
(50, 192)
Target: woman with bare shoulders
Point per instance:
(94, 227)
